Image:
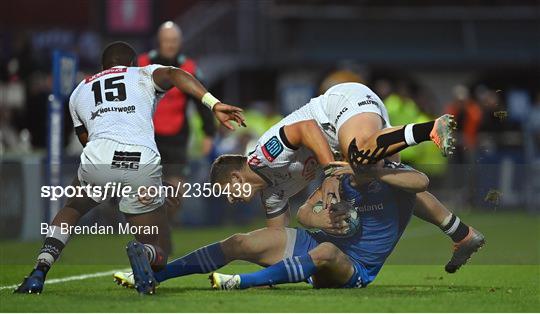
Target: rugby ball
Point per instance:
(353, 221)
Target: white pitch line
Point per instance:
(73, 278)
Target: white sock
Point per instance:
(409, 137)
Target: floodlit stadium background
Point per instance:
(271, 57)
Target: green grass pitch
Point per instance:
(503, 277)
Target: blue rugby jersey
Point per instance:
(384, 213)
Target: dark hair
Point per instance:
(118, 53)
(224, 165)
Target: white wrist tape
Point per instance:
(409, 137)
(209, 100)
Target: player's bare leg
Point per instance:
(364, 142)
(334, 268)
(430, 209)
(263, 246)
(55, 241)
(467, 240)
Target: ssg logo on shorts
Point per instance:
(272, 148)
(126, 160)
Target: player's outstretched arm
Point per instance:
(409, 180)
(168, 77)
(401, 177)
(308, 134)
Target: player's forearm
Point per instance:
(303, 216)
(322, 219)
(167, 77)
(409, 180)
(314, 140)
(186, 83)
(308, 134)
(208, 122)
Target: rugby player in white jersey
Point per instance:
(112, 114)
(290, 154)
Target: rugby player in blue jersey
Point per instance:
(384, 199)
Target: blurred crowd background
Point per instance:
(476, 59)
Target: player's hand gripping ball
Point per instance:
(353, 221)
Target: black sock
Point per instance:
(456, 229)
(49, 253)
(391, 138)
(421, 131)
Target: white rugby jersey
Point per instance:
(118, 104)
(287, 169)
(331, 109)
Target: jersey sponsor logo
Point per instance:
(310, 168)
(370, 207)
(126, 160)
(368, 101)
(102, 73)
(340, 114)
(97, 113)
(272, 148)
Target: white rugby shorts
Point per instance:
(137, 167)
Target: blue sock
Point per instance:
(200, 261)
(291, 269)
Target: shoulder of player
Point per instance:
(76, 91)
(147, 70)
(81, 83)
